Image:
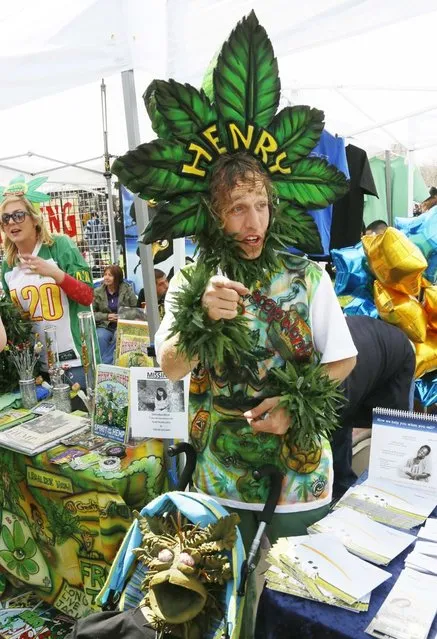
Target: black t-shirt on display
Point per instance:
(347, 214)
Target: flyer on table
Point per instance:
(159, 407)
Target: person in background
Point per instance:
(161, 283)
(430, 201)
(376, 228)
(94, 236)
(3, 338)
(47, 278)
(108, 298)
(383, 377)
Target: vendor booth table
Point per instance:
(283, 616)
(61, 528)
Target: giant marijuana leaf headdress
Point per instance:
(237, 112)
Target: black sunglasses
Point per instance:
(17, 217)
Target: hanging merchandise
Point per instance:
(331, 148)
(347, 216)
(376, 209)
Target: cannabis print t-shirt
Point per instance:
(227, 448)
(45, 302)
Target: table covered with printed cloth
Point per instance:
(61, 528)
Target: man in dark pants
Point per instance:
(382, 377)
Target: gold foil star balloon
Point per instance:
(395, 261)
(430, 305)
(426, 355)
(401, 310)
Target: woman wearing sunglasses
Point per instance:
(46, 277)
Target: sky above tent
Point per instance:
(364, 62)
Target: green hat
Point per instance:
(19, 187)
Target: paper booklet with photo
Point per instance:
(111, 411)
(132, 342)
(408, 610)
(389, 503)
(364, 537)
(322, 566)
(159, 407)
(42, 433)
(403, 448)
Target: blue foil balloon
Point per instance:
(350, 269)
(362, 304)
(422, 231)
(426, 389)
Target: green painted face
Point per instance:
(235, 444)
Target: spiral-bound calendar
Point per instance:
(404, 449)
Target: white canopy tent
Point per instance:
(367, 64)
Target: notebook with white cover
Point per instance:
(403, 449)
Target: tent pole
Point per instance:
(388, 187)
(141, 211)
(107, 175)
(410, 192)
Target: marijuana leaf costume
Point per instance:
(290, 320)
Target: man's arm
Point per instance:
(220, 300)
(3, 337)
(341, 369)
(173, 364)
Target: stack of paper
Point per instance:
(363, 536)
(409, 609)
(319, 567)
(42, 433)
(423, 558)
(389, 503)
(429, 530)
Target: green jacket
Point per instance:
(126, 297)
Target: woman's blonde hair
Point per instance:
(42, 233)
